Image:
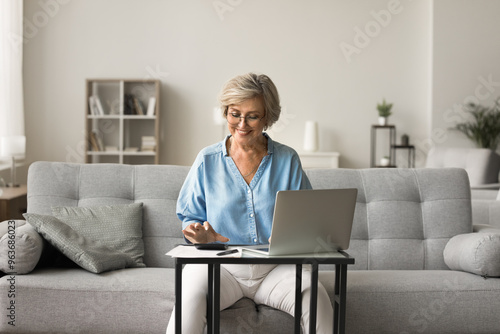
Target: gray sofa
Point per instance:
(405, 221)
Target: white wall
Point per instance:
(195, 46)
(466, 64)
(427, 58)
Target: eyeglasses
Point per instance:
(235, 119)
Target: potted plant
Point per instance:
(484, 127)
(384, 111)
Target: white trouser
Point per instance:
(270, 285)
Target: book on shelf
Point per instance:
(129, 105)
(151, 106)
(96, 142)
(111, 148)
(139, 110)
(98, 103)
(133, 105)
(95, 106)
(148, 144)
(92, 106)
(131, 149)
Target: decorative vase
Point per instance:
(384, 161)
(405, 140)
(311, 136)
(382, 120)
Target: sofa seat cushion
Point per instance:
(134, 300)
(430, 301)
(246, 317)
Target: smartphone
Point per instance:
(211, 246)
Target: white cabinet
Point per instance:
(319, 159)
(122, 121)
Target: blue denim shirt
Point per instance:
(215, 191)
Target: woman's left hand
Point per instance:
(202, 234)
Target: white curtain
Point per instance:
(11, 71)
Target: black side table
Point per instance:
(213, 317)
(411, 153)
(373, 142)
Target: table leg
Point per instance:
(216, 310)
(314, 298)
(298, 297)
(343, 297)
(210, 299)
(178, 297)
(336, 306)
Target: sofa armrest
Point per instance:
(477, 252)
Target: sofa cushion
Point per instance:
(418, 301)
(403, 217)
(477, 253)
(119, 227)
(87, 253)
(21, 245)
(53, 300)
(54, 184)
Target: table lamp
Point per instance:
(13, 147)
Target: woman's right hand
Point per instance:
(202, 234)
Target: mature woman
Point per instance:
(229, 196)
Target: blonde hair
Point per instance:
(248, 86)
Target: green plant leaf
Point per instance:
(484, 127)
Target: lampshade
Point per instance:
(13, 146)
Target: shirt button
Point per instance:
(254, 240)
(251, 215)
(248, 191)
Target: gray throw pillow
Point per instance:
(88, 254)
(20, 247)
(119, 227)
(477, 253)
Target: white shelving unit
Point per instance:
(122, 121)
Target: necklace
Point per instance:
(251, 172)
(247, 175)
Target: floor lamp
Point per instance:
(13, 147)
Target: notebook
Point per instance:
(310, 222)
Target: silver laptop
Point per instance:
(310, 222)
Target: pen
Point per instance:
(228, 252)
